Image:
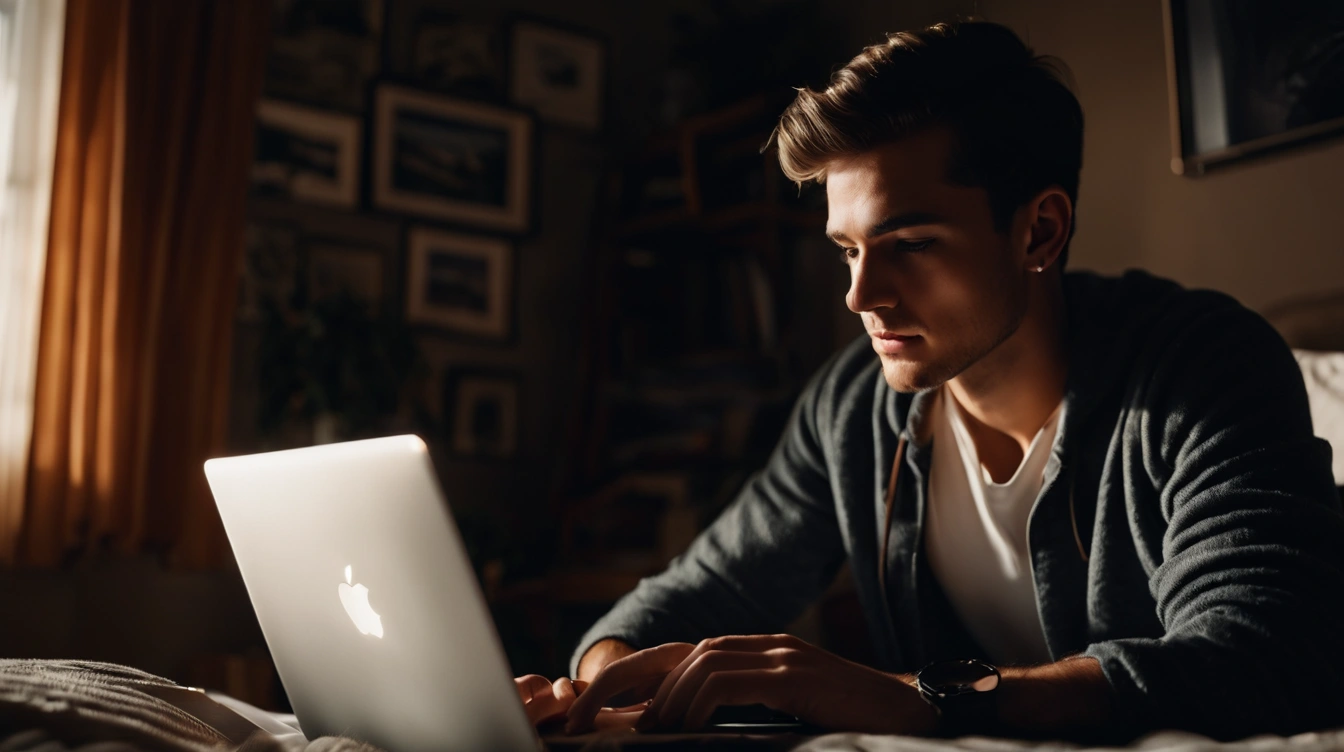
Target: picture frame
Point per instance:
(452, 159)
(325, 53)
(458, 55)
(460, 283)
(484, 413)
(306, 154)
(338, 268)
(1247, 79)
(559, 72)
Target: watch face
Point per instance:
(949, 678)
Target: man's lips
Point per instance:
(891, 343)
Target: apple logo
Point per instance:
(356, 602)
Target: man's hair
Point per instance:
(1018, 128)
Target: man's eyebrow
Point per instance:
(891, 224)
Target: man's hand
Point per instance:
(644, 669)
(779, 671)
(545, 701)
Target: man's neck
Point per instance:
(1009, 394)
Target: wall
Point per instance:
(1261, 230)
(134, 611)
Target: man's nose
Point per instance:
(871, 286)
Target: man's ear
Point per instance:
(1051, 216)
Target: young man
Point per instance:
(1076, 505)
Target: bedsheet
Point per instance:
(85, 706)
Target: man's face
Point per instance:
(937, 286)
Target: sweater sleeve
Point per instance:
(1250, 586)
(771, 552)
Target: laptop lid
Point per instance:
(366, 597)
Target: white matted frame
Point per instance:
(461, 283)
(560, 73)
(292, 156)
(452, 159)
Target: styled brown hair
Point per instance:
(1018, 127)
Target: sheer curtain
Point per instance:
(30, 74)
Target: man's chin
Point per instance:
(907, 376)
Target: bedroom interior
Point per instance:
(225, 234)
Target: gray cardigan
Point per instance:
(1213, 589)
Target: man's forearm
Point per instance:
(1067, 699)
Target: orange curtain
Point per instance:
(152, 154)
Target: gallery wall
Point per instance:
(547, 282)
(1263, 230)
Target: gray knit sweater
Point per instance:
(1212, 591)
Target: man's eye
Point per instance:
(914, 245)
(848, 254)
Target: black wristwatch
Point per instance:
(963, 692)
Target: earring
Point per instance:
(1039, 268)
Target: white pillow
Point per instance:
(1323, 373)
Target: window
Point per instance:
(30, 61)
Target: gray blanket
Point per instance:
(60, 706)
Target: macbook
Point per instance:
(367, 599)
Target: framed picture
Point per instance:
(452, 159)
(461, 283)
(306, 154)
(325, 52)
(270, 270)
(559, 73)
(457, 55)
(335, 270)
(1248, 77)
(484, 420)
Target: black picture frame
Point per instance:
(325, 52)
(461, 283)
(458, 54)
(452, 159)
(307, 154)
(560, 72)
(1250, 78)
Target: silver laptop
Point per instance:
(367, 599)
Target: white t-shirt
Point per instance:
(976, 538)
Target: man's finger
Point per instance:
(530, 686)
(544, 707)
(730, 643)
(669, 712)
(608, 720)
(622, 674)
(733, 688)
(564, 692)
